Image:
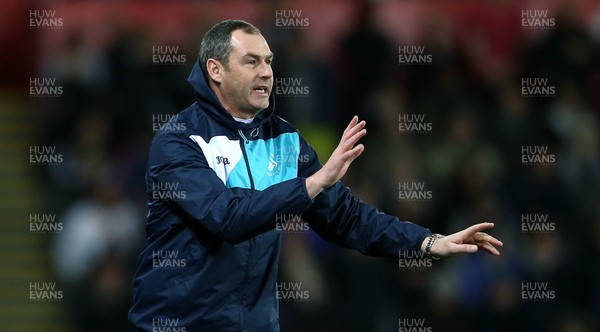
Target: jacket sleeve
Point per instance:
(338, 216)
(231, 214)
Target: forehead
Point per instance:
(243, 43)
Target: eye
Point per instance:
(251, 61)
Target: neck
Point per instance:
(239, 114)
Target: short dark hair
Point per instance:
(216, 43)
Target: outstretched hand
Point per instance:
(468, 240)
(341, 158)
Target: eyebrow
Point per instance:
(258, 56)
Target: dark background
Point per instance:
(347, 55)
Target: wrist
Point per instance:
(428, 244)
(313, 185)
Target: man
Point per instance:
(217, 184)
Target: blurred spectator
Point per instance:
(94, 255)
(366, 54)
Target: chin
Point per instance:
(261, 106)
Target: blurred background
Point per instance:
(74, 149)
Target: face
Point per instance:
(247, 78)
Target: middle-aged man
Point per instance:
(218, 176)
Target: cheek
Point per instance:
(240, 83)
(238, 90)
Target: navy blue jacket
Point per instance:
(215, 188)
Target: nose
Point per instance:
(266, 72)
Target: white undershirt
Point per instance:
(246, 121)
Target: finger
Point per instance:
(463, 248)
(351, 141)
(349, 156)
(347, 142)
(352, 131)
(477, 228)
(489, 248)
(483, 237)
(352, 123)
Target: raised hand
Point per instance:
(339, 161)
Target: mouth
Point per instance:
(261, 90)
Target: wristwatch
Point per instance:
(430, 240)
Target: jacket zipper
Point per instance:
(251, 242)
(243, 145)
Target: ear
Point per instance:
(214, 70)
